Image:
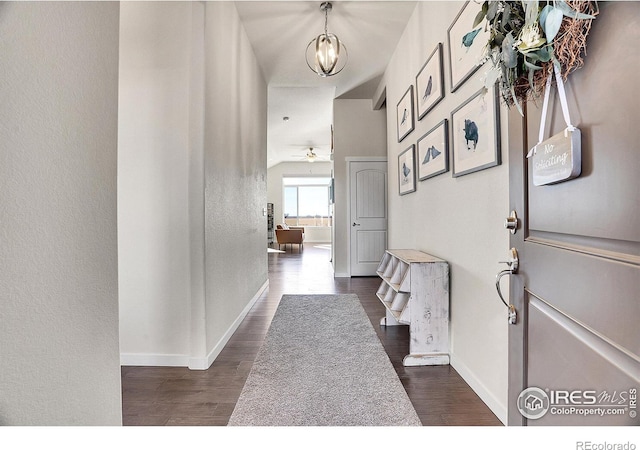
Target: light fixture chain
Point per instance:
(326, 19)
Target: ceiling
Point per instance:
(279, 33)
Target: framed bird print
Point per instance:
(405, 114)
(466, 44)
(429, 83)
(475, 131)
(406, 170)
(433, 152)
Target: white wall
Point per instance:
(192, 181)
(359, 131)
(275, 192)
(59, 362)
(458, 219)
(198, 344)
(153, 182)
(235, 173)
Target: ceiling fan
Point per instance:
(311, 156)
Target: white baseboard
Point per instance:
(150, 359)
(340, 275)
(489, 399)
(204, 363)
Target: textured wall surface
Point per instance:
(59, 358)
(457, 219)
(235, 170)
(192, 180)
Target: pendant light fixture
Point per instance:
(326, 55)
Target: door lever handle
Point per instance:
(498, 278)
(355, 224)
(513, 264)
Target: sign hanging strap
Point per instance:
(545, 106)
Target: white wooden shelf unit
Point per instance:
(415, 292)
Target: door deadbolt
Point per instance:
(511, 223)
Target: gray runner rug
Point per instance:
(322, 364)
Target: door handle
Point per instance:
(513, 264)
(355, 224)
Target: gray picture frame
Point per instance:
(404, 114)
(430, 82)
(475, 133)
(433, 152)
(407, 171)
(463, 61)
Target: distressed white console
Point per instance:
(415, 292)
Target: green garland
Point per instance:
(522, 37)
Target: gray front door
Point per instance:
(577, 291)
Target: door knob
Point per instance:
(355, 224)
(511, 223)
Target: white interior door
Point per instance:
(368, 215)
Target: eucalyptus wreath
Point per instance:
(526, 38)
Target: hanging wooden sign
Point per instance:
(558, 158)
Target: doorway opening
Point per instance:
(307, 202)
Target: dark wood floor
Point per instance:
(179, 396)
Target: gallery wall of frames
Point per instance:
(467, 140)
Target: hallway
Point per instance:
(179, 396)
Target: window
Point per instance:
(306, 201)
